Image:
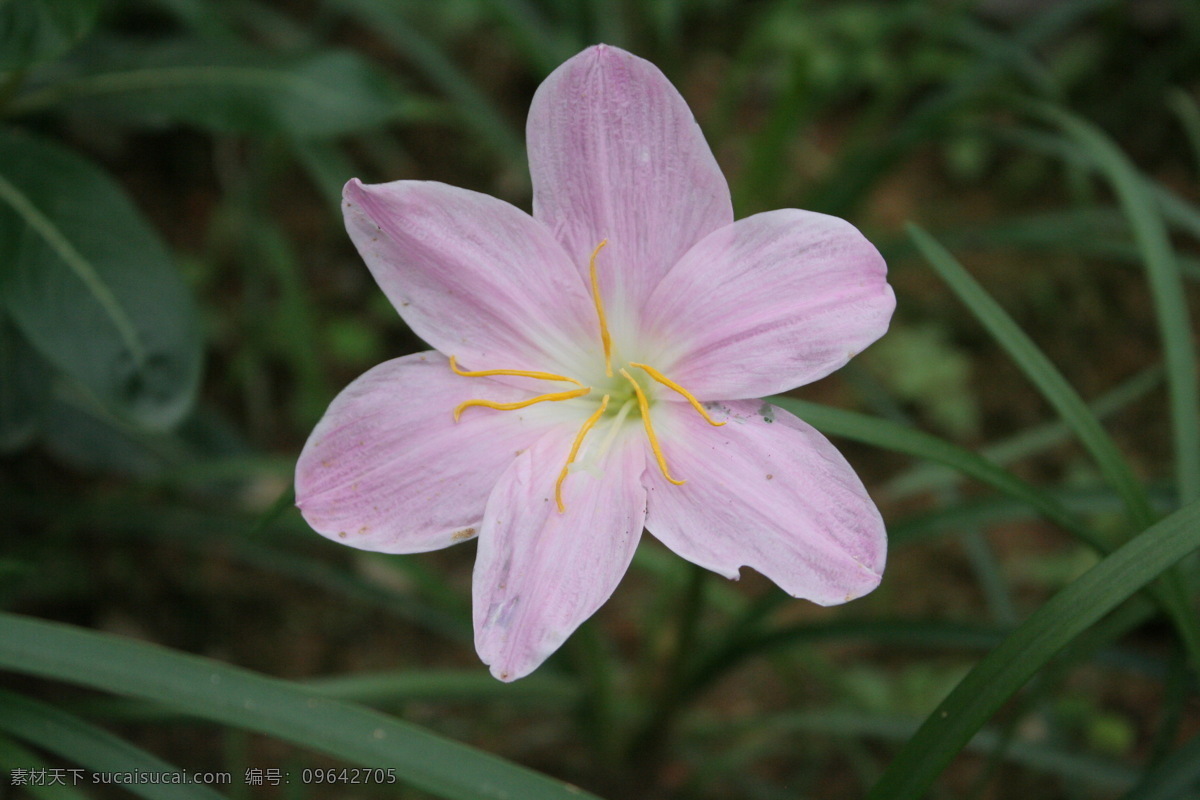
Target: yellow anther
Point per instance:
(562, 476)
(670, 384)
(541, 398)
(605, 339)
(516, 373)
(645, 408)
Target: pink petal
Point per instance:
(388, 469)
(774, 301)
(615, 154)
(474, 276)
(540, 573)
(767, 491)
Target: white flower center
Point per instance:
(621, 394)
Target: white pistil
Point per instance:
(589, 463)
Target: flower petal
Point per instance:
(387, 468)
(540, 573)
(615, 153)
(472, 275)
(768, 491)
(774, 301)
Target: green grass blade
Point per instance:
(1189, 119)
(771, 734)
(476, 109)
(233, 696)
(903, 439)
(1071, 408)
(1028, 442)
(867, 160)
(382, 690)
(1177, 776)
(542, 45)
(463, 686)
(1166, 287)
(899, 438)
(14, 757)
(82, 743)
(327, 165)
(1176, 211)
(999, 510)
(1038, 368)
(1006, 669)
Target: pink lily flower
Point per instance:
(595, 369)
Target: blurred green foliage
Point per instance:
(178, 304)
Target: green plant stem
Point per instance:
(649, 743)
(9, 87)
(596, 702)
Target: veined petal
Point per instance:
(615, 153)
(474, 276)
(774, 301)
(387, 468)
(767, 491)
(540, 573)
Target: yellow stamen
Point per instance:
(516, 373)
(605, 339)
(670, 384)
(562, 476)
(556, 396)
(645, 408)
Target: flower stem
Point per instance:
(648, 745)
(596, 708)
(9, 84)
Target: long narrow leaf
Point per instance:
(227, 88)
(903, 439)
(35, 31)
(867, 159)
(96, 749)
(1006, 669)
(770, 735)
(1028, 442)
(476, 109)
(1166, 287)
(1038, 368)
(233, 696)
(1177, 776)
(14, 757)
(383, 690)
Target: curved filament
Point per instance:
(516, 373)
(587, 426)
(605, 338)
(645, 409)
(670, 384)
(541, 398)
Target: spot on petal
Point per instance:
(465, 533)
